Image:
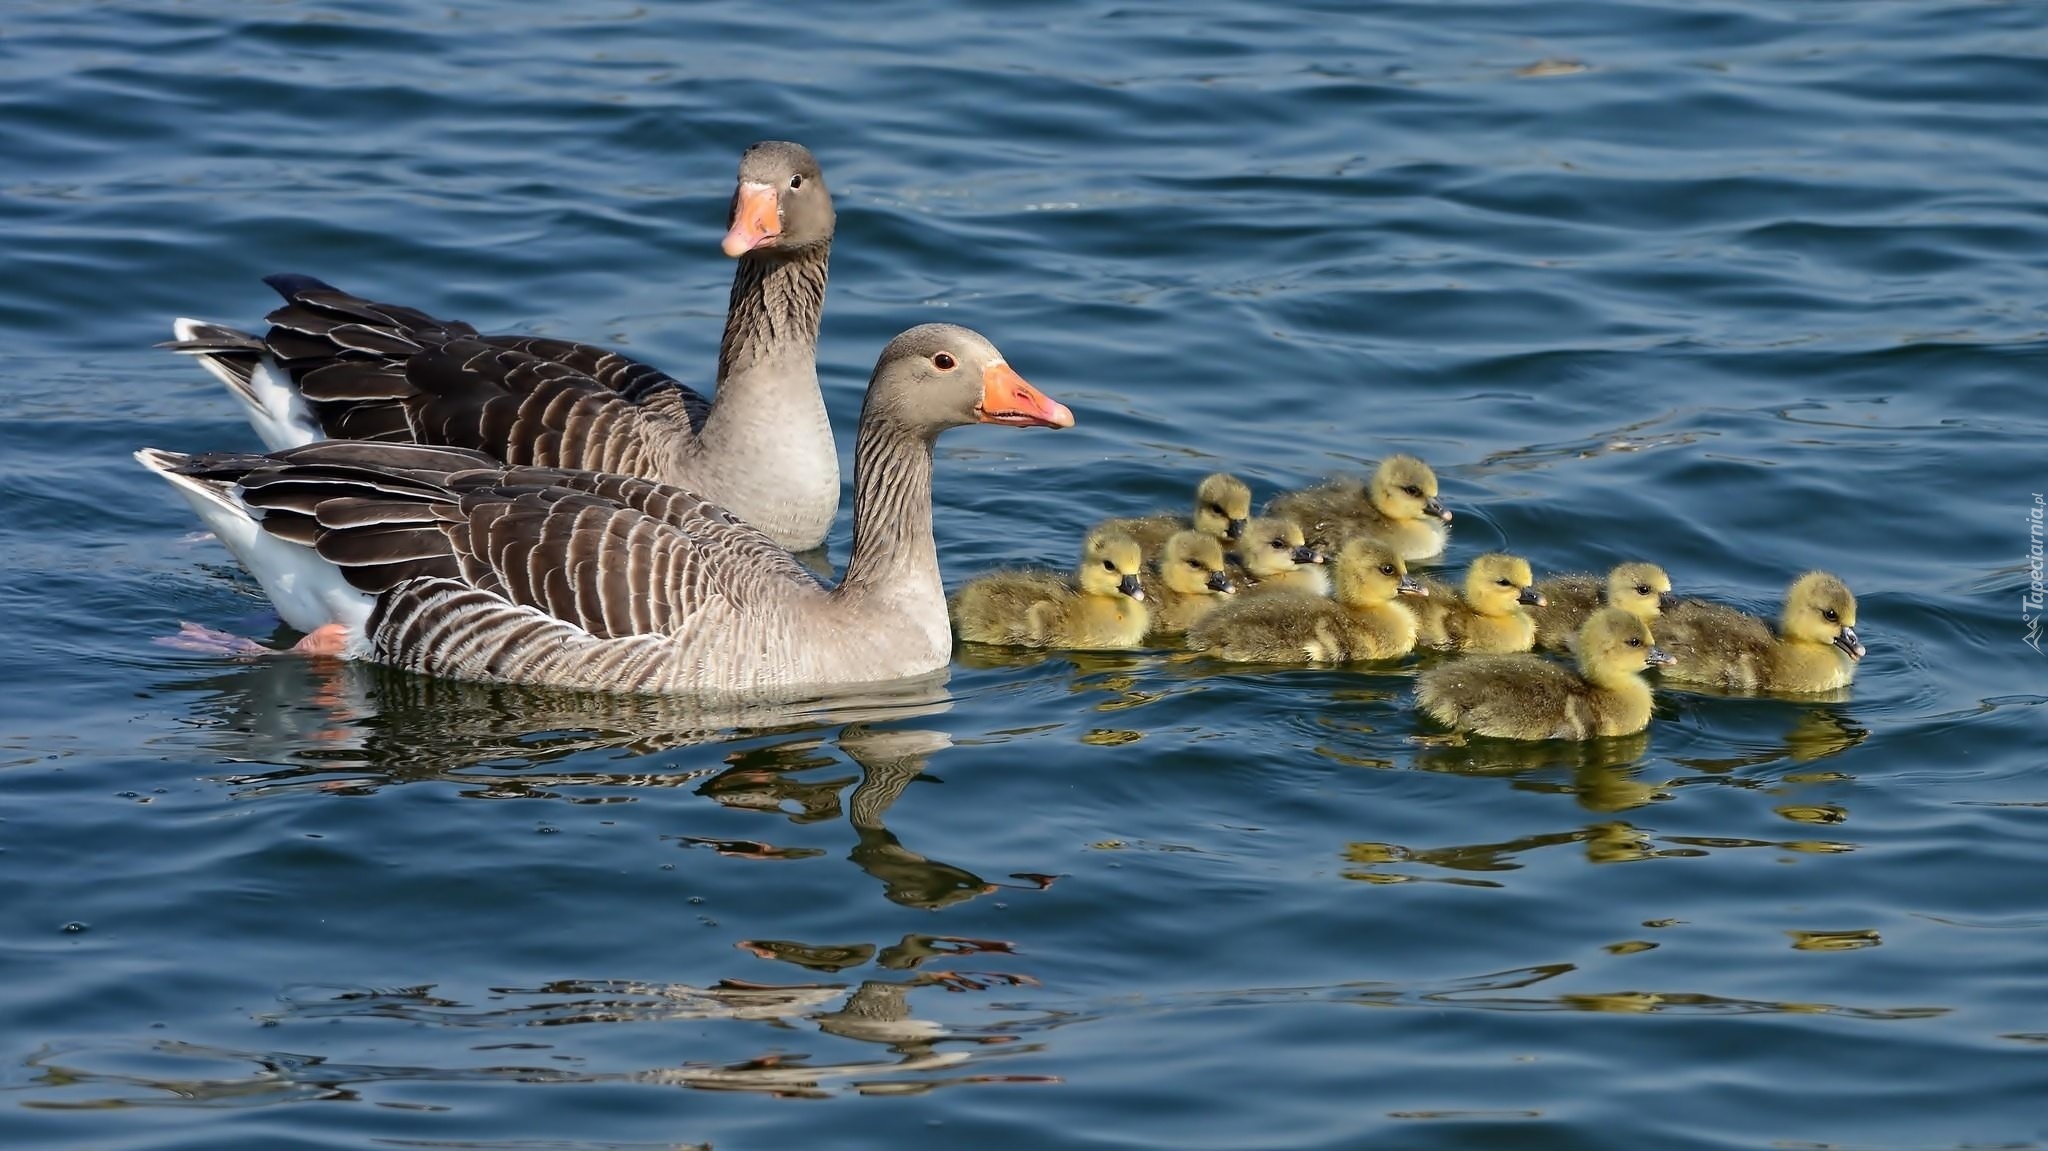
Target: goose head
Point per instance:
(781, 204)
(1111, 563)
(1498, 584)
(1192, 564)
(1368, 574)
(1614, 645)
(939, 376)
(1642, 590)
(1223, 504)
(1404, 488)
(1274, 544)
(1821, 609)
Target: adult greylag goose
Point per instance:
(333, 365)
(446, 562)
(1524, 696)
(1642, 590)
(1397, 506)
(1814, 649)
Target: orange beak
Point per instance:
(1007, 399)
(756, 220)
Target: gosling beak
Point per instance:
(1007, 399)
(1129, 586)
(1307, 554)
(1219, 581)
(1409, 585)
(1234, 529)
(1848, 642)
(1658, 657)
(756, 220)
(1436, 508)
(1666, 601)
(1532, 598)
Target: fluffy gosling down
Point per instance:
(1814, 649)
(1361, 621)
(1525, 696)
(1100, 609)
(1275, 556)
(1640, 589)
(1192, 582)
(1223, 504)
(1490, 614)
(1397, 506)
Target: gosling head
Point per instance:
(1497, 584)
(1821, 609)
(1223, 504)
(1642, 590)
(1614, 645)
(1369, 575)
(1403, 488)
(1192, 564)
(1110, 565)
(1274, 544)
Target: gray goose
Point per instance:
(446, 562)
(333, 365)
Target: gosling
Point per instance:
(1100, 609)
(1814, 649)
(1223, 504)
(1193, 582)
(1398, 506)
(1525, 696)
(1362, 622)
(1640, 589)
(1274, 556)
(1490, 615)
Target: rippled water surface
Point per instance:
(1744, 288)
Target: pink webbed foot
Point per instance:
(326, 640)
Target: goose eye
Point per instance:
(1195, 565)
(796, 181)
(1505, 583)
(1412, 490)
(1642, 589)
(1108, 566)
(1279, 543)
(1831, 615)
(944, 362)
(1386, 569)
(1635, 641)
(1216, 509)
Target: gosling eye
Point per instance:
(1831, 615)
(1216, 509)
(1635, 641)
(1386, 569)
(1505, 583)
(1195, 564)
(1642, 589)
(1279, 543)
(796, 181)
(944, 362)
(1108, 566)
(1412, 490)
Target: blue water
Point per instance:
(1742, 288)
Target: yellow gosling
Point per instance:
(1524, 696)
(1192, 582)
(1274, 556)
(1100, 609)
(1361, 621)
(1814, 649)
(1398, 506)
(1490, 615)
(1640, 589)
(1223, 504)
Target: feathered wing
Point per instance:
(1517, 696)
(1569, 601)
(514, 573)
(348, 363)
